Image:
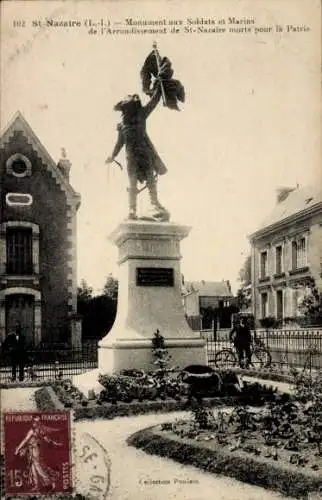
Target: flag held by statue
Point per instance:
(157, 67)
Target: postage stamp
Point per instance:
(37, 452)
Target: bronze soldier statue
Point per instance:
(144, 165)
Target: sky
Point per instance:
(250, 123)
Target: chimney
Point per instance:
(64, 164)
(282, 193)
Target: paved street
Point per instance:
(133, 472)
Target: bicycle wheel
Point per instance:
(225, 359)
(261, 357)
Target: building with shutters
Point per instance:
(287, 253)
(38, 288)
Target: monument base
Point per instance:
(137, 354)
(149, 298)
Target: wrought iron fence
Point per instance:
(300, 349)
(55, 363)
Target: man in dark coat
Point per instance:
(14, 345)
(241, 337)
(143, 161)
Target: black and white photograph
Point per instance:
(161, 249)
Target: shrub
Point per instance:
(150, 387)
(270, 322)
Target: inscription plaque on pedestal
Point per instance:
(154, 276)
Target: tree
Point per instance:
(111, 287)
(245, 279)
(84, 290)
(245, 273)
(311, 304)
(84, 295)
(98, 312)
(99, 318)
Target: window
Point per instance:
(264, 305)
(18, 199)
(279, 259)
(19, 251)
(263, 265)
(18, 165)
(299, 253)
(279, 304)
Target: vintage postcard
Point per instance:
(160, 249)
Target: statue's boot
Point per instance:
(132, 203)
(160, 211)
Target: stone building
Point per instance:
(286, 253)
(38, 288)
(206, 302)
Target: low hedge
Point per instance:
(239, 465)
(46, 399)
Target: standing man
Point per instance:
(14, 344)
(241, 337)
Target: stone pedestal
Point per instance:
(149, 298)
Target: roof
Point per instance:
(19, 123)
(299, 200)
(208, 288)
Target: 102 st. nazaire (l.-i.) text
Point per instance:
(185, 25)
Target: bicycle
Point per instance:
(260, 356)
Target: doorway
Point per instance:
(20, 311)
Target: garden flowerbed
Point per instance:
(122, 400)
(278, 445)
(239, 464)
(47, 399)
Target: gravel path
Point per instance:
(134, 473)
(18, 399)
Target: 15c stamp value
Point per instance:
(37, 450)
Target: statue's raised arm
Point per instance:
(154, 101)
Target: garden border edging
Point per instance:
(245, 468)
